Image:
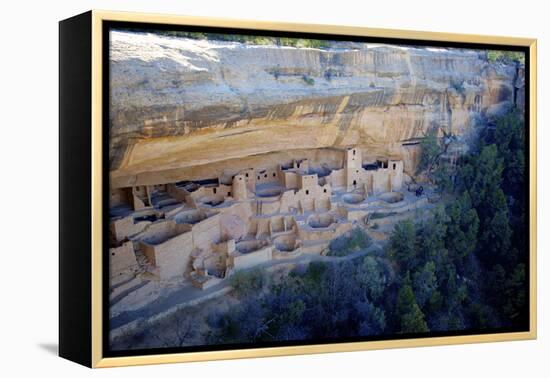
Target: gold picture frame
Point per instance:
(95, 20)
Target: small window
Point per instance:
(258, 177)
(240, 178)
(357, 171)
(215, 190)
(354, 182)
(229, 194)
(298, 165)
(394, 166)
(265, 175)
(307, 192)
(112, 254)
(274, 174)
(324, 190)
(354, 152)
(246, 175)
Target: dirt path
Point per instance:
(186, 294)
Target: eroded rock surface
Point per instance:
(181, 108)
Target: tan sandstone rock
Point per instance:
(183, 108)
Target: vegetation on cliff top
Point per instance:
(505, 56)
(347, 244)
(242, 38)
(492, 55)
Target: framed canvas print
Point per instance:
(236, 189)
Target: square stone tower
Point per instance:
(396, 169)
(353, 158)
(353, 168)
(239, 189)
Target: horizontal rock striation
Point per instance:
(179, 106)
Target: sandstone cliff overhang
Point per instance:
(178, 104)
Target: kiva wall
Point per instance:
(125, 227)
(207, 232)
(173, 257)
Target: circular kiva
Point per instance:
(190, 217)
(320, 220)
(392, 197)
(247, 246)
(285, 243)
(353, 198)
(268, 192)
(213, 202)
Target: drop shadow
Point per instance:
(51, 348)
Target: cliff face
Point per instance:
(181, 107)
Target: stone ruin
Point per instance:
(204, 231)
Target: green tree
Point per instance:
(314, 274)
(462, 227)
(430, 152)
(372, 319)
(481, 315)
(371, 278)
(356, 240)
(295, 311)
(248, 282)
(411, 317)
(505, 56)
(494, 239)
(516, 294)
(431, 238)
(442, 179)
(482, 179)
(425, 284)
(510, 142)
(402, 244)
(494, 283)
(455, 292)
(484, 186)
